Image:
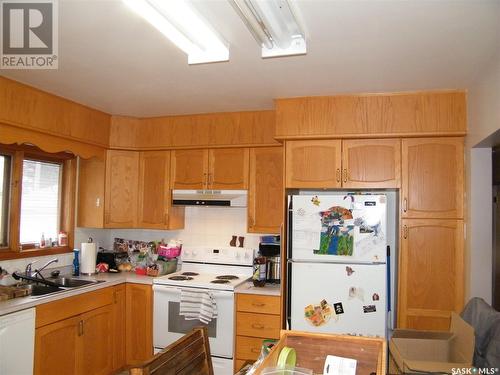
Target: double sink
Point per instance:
(58, 284)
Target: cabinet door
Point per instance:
(265, 193)
(189, 169)
(154, 167)
(228, 168)
(431, 272)
(91, 180)
(371, 163)
(313, 164)
(96, 334)
(433, 178)
(122, 169)
(119, 324)
(56, 348)
(139, 323)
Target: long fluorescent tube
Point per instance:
(274, 25)
(180, 23)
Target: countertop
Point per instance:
(268, 289)
(110, 279)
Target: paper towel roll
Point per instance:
(88, 255)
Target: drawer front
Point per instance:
(258, 304)
(248, 347)
(258, 325)
(64, 308)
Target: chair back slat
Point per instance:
(188, 355)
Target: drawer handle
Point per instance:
(257, 326)
(258, 304)
(255, 350)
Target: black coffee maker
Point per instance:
(273, 261)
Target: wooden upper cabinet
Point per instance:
(228, 168)
(431, 273)
(313, 164)
(91, 181)
(189, 169)
(371, 163)
(265, 193)
(122, 171)
(433, 178)
(96, 356)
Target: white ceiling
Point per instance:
(113, 60)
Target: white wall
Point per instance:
(483, 120)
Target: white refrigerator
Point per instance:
(338, 264)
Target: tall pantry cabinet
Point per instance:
(431, 274)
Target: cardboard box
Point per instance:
(432, 351)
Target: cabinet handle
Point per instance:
(255, 350)
(80, 328)
(337, 174)
(205, 180)
(405, 232)
(258, 304)
(345, 175)
(405, 205)
(257, 326)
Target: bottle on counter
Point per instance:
(259, 271)
(42, 241)
(76, 262)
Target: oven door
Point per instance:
(169, 326)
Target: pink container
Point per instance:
(169, 252)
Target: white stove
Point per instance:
(217, 271)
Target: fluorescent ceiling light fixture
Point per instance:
(274, 25)
(179, 22)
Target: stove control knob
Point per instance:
(194, 253)
(186, 253)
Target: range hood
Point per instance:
(218, 198)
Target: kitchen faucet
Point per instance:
(36, 272)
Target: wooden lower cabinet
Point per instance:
(119, 308)
(257, 318)
(96, 333)
(57, 348)
(139, 323)
(431, 273)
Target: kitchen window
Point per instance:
(5, 166)
(40, 201)
(37, 191)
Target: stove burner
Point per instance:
(190, 274)
(219, 281)
(180, 278)
(227, 277)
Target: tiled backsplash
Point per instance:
(212, 226)
(20, 264)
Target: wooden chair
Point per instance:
(188, 355)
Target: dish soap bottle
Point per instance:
(259, 271)
(76, 262)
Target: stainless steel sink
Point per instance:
(69, 282)
(37, 290)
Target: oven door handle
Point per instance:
(176, 289)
